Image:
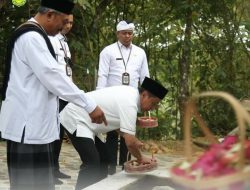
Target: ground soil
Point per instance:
(171, 147)
(174, 147)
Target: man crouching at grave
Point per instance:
(120, 105)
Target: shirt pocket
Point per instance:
(117, 63)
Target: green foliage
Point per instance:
(215, 49)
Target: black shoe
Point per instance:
(61, 175)
(58, 181)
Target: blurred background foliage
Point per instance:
(192, 46)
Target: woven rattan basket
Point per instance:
(234, 181)
(132, 166)
(147, 121)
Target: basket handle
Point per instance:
(243, 118)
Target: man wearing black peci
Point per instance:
(32, 84)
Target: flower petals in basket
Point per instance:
(133, 166)
(224, 165)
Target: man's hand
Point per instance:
(146, 160)
(132, 141)
(137, 143)
(97, 116)
(133, 145)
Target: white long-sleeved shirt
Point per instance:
(111, 65)
(31, 101)
(61, 49)
(120, 105)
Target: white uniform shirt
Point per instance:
(61, 49)
(31, 101)
(111, 65)
(120, 105)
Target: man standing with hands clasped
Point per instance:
(33, 82)
(121, 63)
(63, 56)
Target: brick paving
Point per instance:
(69, 164)
(4, 180)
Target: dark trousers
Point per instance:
(94, 160)
(112, 144)
(30, 166)
(58, 143)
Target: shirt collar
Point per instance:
(122, 46)
(34, 20)
(61, 37)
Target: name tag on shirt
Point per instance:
(118, 58)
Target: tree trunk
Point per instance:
(184, 65)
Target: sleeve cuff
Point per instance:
(127, 131)
(90, 106)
